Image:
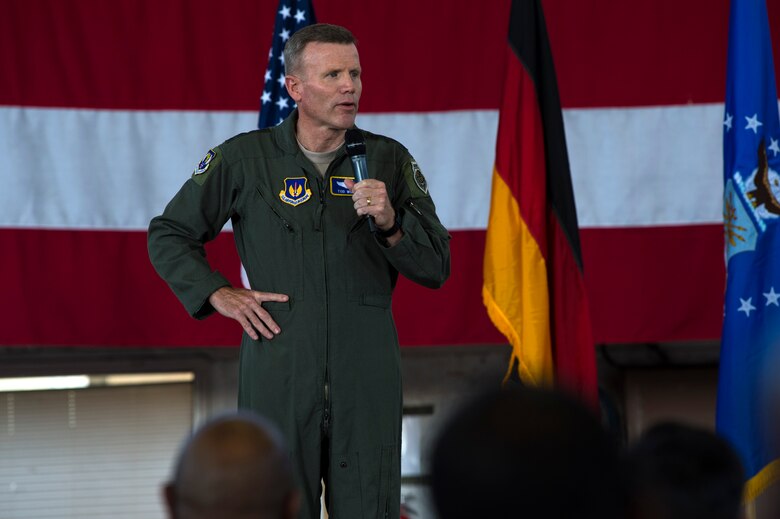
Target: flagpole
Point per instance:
(750, 509)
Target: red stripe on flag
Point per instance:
(194, 54)
(454, 313)
(655, 284)
(197, 55)
(644, 284)
(520, 148)
(64, 289)
(573, 346)
(639, 53)
(92, 288)
(129, 54)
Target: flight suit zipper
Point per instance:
(326, 412)
(320, 227)
(414, 208)
(424, 218)
(285, 223)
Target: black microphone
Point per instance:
(356, 149)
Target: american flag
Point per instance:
(275, 104)
(95, 146)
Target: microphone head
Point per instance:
(355, 143)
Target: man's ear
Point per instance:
(294, 87)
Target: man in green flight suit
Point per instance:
(319, 355)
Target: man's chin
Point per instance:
(345, 123)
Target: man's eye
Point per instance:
(333, 74)
(355, 74)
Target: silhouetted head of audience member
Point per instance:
(526, 452)
(683, 472)
(235, 466)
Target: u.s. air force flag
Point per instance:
(751, 213)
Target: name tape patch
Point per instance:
(338, 186)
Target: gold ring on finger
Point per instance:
(368, 201)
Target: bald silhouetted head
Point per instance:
(682, 471)
(525, 452)
(235, 466)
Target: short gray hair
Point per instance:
(320, 33)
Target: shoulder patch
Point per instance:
(418, 186)
(419, 179)
(211, 159)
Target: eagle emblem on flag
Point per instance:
(764, 187)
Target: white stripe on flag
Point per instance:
(646, 166)
(107, 169)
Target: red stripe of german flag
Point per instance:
(533, 284)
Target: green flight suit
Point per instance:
(331, 380)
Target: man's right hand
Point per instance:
(245, 307)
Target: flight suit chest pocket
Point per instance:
(273, 248)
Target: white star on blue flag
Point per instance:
(275, 103)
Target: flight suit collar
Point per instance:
(284, 135)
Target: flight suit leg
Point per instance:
(265, 388)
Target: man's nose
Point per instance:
(348, 85)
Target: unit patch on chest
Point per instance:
(296, 191)
(338, 186)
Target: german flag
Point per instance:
(533, 279)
